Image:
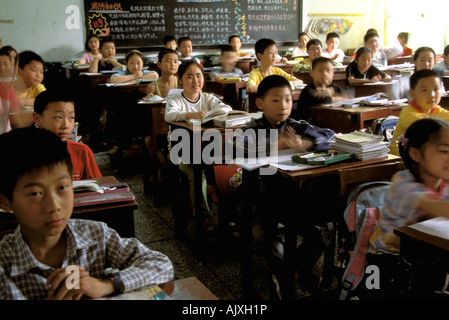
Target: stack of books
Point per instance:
(363, 145)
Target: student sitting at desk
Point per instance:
(314, 50)
(134, 62)
(54, 110)
(418, 193)
(361, 70)
(274, 98)
(30, 75)
(228, 68)
(381, 56)
(170, 42)
(168, 64)
(425, 90)
(236, 43)
(48, 247)
(332, 51)
(185, 48)
(106, 60)
(8, 64)
(442, 67)
(192, 103)
(321, 91)
(266, 52)
(92, 47)
(301, 50)
(8, 103)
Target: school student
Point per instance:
(185, 48)
(92, 47)
(192, 103)
(54, 110)
(30, 75)
(442, 67)
(274, 98)
(362, 70)
(168, 64)
(236, 43)
(8, 104)
(425, 90)
(106, 60)
(48, 247)
(320, 91)
(301, 50)
(7, 63)
(332, 51)
(228, 69)
(266, 52)
(170, 42)
(134, 61)
(418, 193)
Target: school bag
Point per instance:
(385, 127)
(361, 215)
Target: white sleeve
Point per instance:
(174, 110)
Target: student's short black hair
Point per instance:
(227, 48)
(446, 50)
(106, 40)
(262, 44)
(54, 94)
(86, 47)
(182, 39)
(26, 57)
(270, 82)
(421, 74)
(316, 42)
(319, 60)
(423, 49)
(234, 36)
(418, 134)
(168, 39)
(332, 35)
(29, 149)
(163, 52)
(369, 36)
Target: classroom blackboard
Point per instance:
(144, 23)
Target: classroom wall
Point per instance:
(40, 25)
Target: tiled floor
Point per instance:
(219, 271)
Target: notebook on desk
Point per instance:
(102, 198)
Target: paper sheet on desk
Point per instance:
(438, 227)
(283, 161)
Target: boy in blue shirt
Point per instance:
(35, 261)
(228, 68)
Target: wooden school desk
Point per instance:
(295, 181)
(22, 119)
(344, 120)
(246, 64)
(445, 82)
(231, 91)
(339, 77)
(117, 215)
(183, 289)
(426, 241)
(362, 90)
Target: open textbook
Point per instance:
(220, 113)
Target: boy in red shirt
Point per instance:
(54, 110)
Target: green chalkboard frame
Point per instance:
(157, 18)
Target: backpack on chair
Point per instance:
(361, 215)
(385, 127)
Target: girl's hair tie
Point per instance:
(402, 140)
